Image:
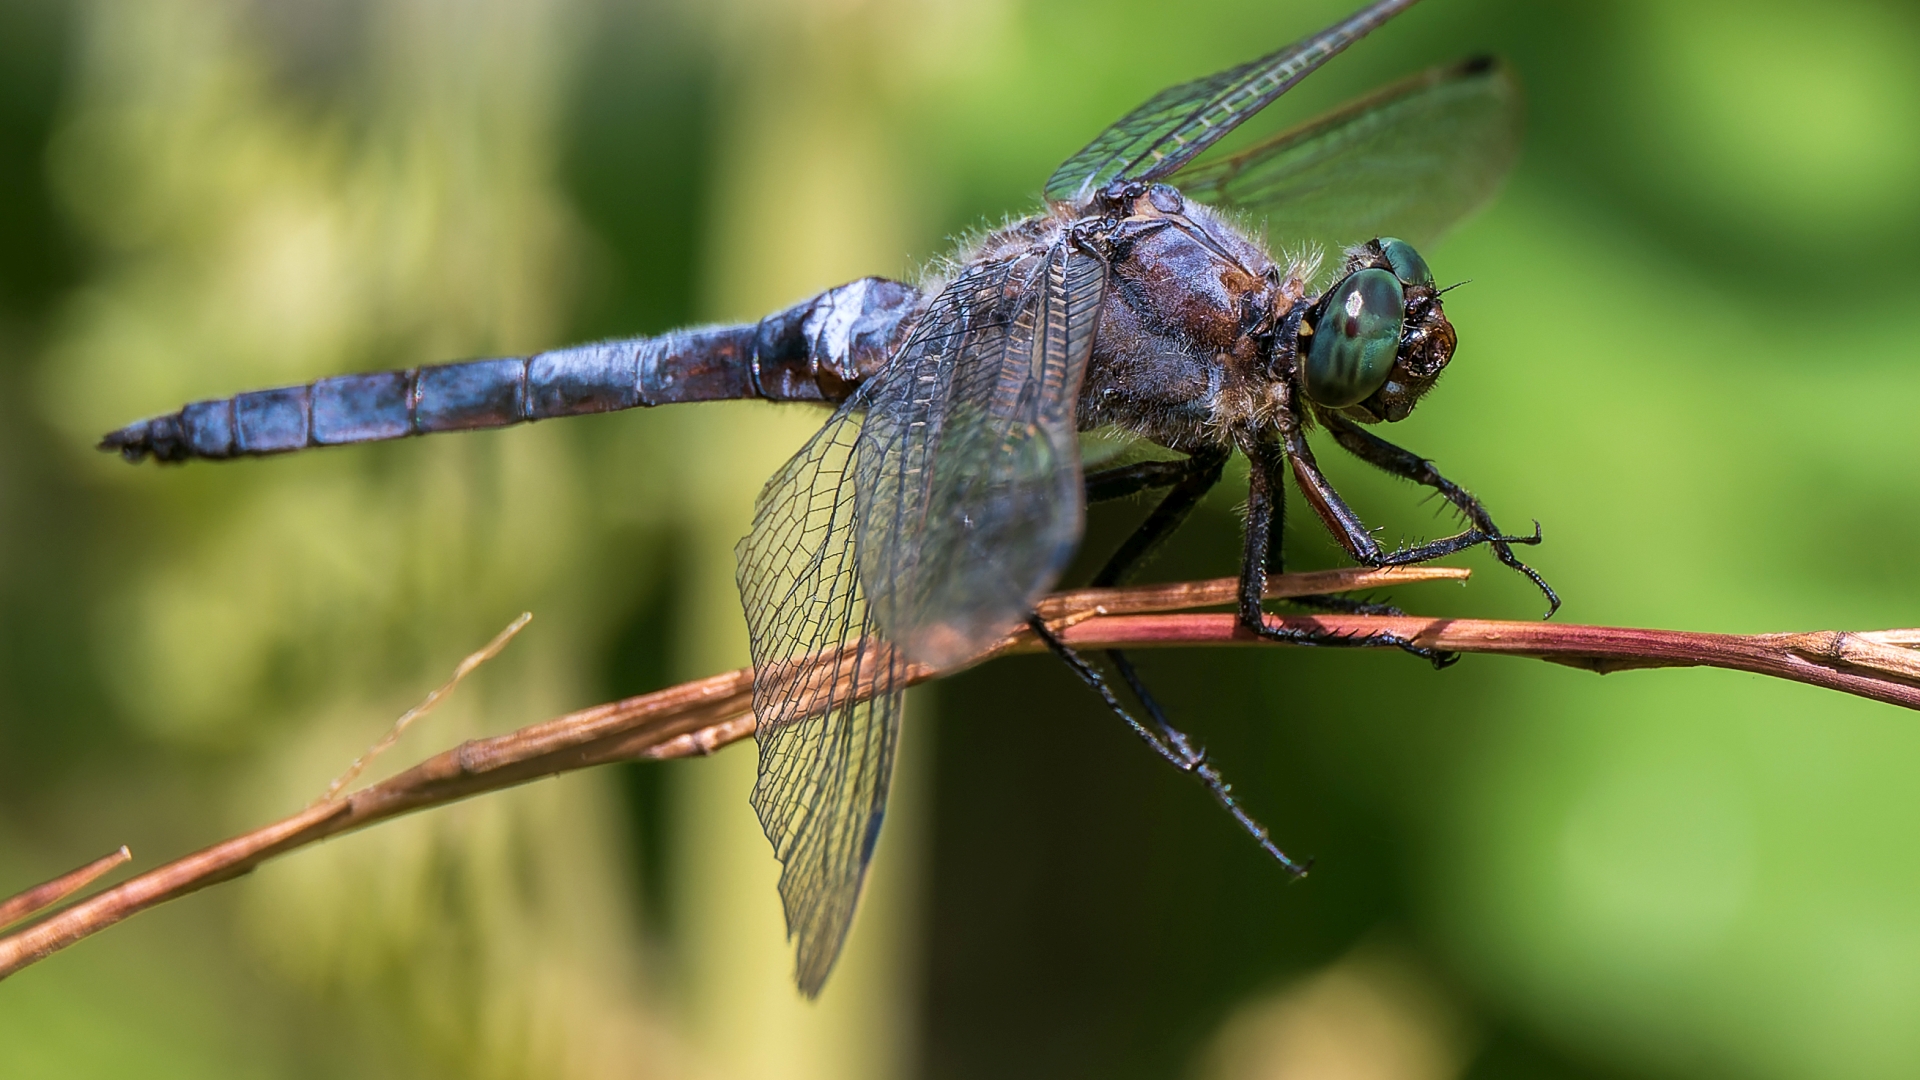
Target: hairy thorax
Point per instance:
(1184, 355)
(1184, 352)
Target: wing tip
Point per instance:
(819, 936)
(810, 980)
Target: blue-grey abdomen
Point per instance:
(818, 350)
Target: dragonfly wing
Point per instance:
(970, 473)
(826, 696)
(915, 530)
(1179, 122)
(1411, 161)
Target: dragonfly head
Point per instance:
(1377, 341)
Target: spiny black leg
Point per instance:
(1276, 540)
(1261, 495)
(1200, 472)
(1124, 480)
(1342, 605)
(1384, 455)
(1263, 457)
(1197, 476)
(1359, 639)
(1173, 736)
(1271, 459)
(1190, 480)
(1175, 747)
(1098, 683)
(1353, 534)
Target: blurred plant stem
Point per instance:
(808, 189)
(699, 717)
(258, 209)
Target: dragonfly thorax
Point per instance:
(1183, 352)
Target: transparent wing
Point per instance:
(826, 694)
(1410, 161)
(1176, 124)
(917, 528)
(969, 473)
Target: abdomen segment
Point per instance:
(818, 350)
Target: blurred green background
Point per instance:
(1686, 349)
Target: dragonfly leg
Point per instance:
(1191, 478)
(1401, 462)
(1342, 605)
(1264, 494)
(1189, 481)
(1173, 746)
(1125, 480)
(1353, 535)
(1275, 462)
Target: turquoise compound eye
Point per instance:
(1357, 338)
(1407, 264)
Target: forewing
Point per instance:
(1178, 123)
(917, 527)
(1409, 161)
(969, 469)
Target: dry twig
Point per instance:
(41, 897)
(702, 716)
(467, 667)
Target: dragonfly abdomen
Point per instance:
(818, 350)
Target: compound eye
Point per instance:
(1356, 340)
(1407, 264)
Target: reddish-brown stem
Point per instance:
(702, 716)
(41, 897)
(1863, 664)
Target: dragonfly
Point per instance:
(1174, 301)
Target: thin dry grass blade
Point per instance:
(41, 897)
(399, 728)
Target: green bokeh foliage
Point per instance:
(1686, 348)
